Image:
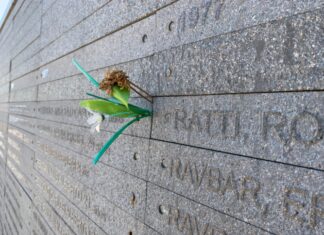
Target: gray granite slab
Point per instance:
(46, 4)
(27, 218)
(30, 65)
(22, 135)
(169, 213)
(77, 220)
(119, 188)
(23, 108)
(259, 192)
(4, 78)
(26, 53)
(34, 211)
(21, 156)
(132, 158)
(29, 80)
(193, 20)
(283, 55)
(54, 24)
(27, 94)
(4, 92)
(26, 34)
(55, 222)
(109, 19)
(98, 205)
(281, 127)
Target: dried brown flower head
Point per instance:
(114, 77)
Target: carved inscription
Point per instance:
(69, 211)
(74, 191)
(214, 123)
(305, 127)
(243, 189)
(70, 137)
(72, 111)
(40, 223)
(198, 15)
(305, 207)
(191, 224)
(73, 163)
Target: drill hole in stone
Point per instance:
(144, 38)
(168, 73)
(162, 210)
(163, 163)
(170, 26)
(130, 233)
(136, 156)
(133, 199)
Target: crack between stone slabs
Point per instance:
(71, 27)
(21, 51)
(25, 22)
(58, 215)
(13, 211)
(63, 195)
(218, 211)
(105, 35)
(243, 93)
(18, 10)
(36, 118)
(241, 155)
(49, 7)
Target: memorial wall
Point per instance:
(235, 144)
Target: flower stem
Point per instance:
(113, 138)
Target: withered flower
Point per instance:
(112, 78)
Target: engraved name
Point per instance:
(191, 224)
(305, 127)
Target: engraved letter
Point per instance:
(292, 206)
(317, 209)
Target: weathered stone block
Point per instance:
(279, 127)
(109, 19)
(27, 94)
(62, 16)
(132, 158)
(191, 20)
(283, 55)
(76, 219)
(258, 192)
(170, 213)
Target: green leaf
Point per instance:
(85, 73)
(112, 109)
(132, 107)
(120, 94)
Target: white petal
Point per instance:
(92, 120)
(98, 128)
(93, 128)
